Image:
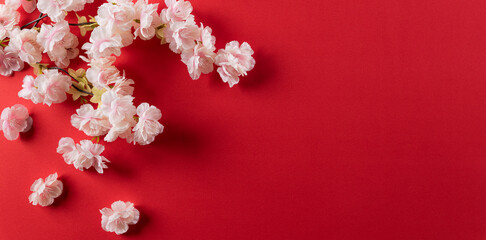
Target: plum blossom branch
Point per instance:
(116, 25)
(34, 21)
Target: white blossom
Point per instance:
(84, 155)
(48, 88)
(147, 20)
(9, 19)
(25, 43)
(30, 90)
(117, 218)
(148, 126)
(102, 72)
(116, 18)
(9, 61)
(15, 120)
(120, 111)
(53, 86)
(92, 122)
(117, 107)
(103, 44)
(234, 61)
(59, 43)
(176, 11)
(198, 60)
(182, 35)
(44, 191)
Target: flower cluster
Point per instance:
(106, 94)
(48, 88)
(117, 218)
(234, 61)
(28, 5)
(44, 191)
(59, 43)
(84, 155)
(15, 120)
(174, 25)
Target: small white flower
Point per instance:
(182, 35)
(123, 86)
(206, 38)
(198, 60)
(30, 90)
(44, 192)
(15, 120)
(24, 42)
(117, 218)
(116, 16)
(9, 61)
(176, 11)
(78, 5)
(147, 19)
(102, 72)
(117, 107)
(148, 126)
(90, 121)
(53, 86)
(234, 61)
(121, 129)
(58, 42)
(84, 155)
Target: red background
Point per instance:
(361, 120)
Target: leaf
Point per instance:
(39, 67)
(97, 95)
(77, 94)
(88, 27)
(160, 34)
(80, 76)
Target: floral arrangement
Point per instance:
(105, 92)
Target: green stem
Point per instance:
(37, 22)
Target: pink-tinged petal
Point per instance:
(14, 4)
(13, 121)
(66, 144)
(118, 206)
(84, 155)
(29, 5)
(10, 133)
(29, 125)
(106, 212)
(121, 227)
(45, 200)
(234, 61)
(51, 178)
(33, 198)
(36, 185)
(44, 192)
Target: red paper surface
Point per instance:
(361, 120)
